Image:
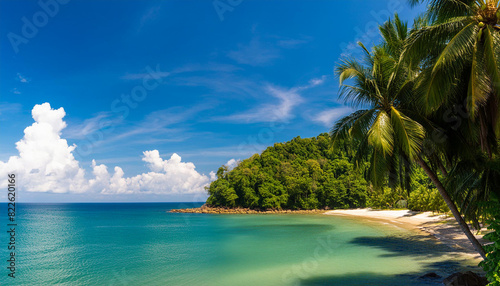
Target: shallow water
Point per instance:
(143, 244)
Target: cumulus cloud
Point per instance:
(46, 164)
(231, 164)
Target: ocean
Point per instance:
(144, 244)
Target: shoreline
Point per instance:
(442, 228)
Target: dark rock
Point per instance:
(430, 275)
(465, 279)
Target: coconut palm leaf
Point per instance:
(410, 133)
(381, 134)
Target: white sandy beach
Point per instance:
(443, 228)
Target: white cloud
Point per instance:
(46, 164)
(288, 99)
(22, 78)
(189, 68)
(231, 164)
(317, 81)
(99, 122)
(167, 176)
(328, 117)
(270, 112)
(159, 123)
(15, 91)
(213, 176)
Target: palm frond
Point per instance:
(342, 128)
(381, 134)
(409, 133)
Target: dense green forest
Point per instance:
(309, 174)
(300, 174)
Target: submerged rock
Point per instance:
(465, 279)
(430, 275)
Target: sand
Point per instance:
(443, 228)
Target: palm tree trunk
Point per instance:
(442, 168)
(453, 208)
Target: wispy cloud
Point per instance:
(171, 121)
(291, 43)
(149, 16)
(15, 91)
(6, 108)
(317, 81)
(153, 74)
(186, 69)
(269, 112)
(225, 151)
(22, 78)
(100, 121)
(208, 67)
(261, 51)
(330, 116)
(224, 85)
(281, 109)
(254, 53)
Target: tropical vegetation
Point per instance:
(427, 101)
(300, 174)
(306, 173)
(447, 121)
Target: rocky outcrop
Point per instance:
(465, 279)
(220, 210)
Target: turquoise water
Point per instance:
(143, 244)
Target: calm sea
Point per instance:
(144, 244)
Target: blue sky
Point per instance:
(209, 81)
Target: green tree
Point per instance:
(301, 174)
(385, 131)
(459, 53)
(390, 126)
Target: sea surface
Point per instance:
(144, 244)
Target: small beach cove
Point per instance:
(425, 242)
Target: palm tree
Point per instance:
(474, 181)
(377, 87)
(461, 48)
(389, 126)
